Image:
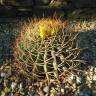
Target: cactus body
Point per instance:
(46, 58)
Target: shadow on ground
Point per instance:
(9, 29)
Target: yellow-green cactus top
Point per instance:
(47, 28)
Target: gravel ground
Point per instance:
(9, 29)
(13, 84)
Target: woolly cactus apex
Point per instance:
(42, 28)
(48, 58)
(49, 27)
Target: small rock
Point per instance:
(46, 89)
(13, 85)
(2, 93)
(3, 74)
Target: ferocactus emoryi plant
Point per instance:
(45, 50)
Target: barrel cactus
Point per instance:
(45, 50)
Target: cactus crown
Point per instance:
(49, 27)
